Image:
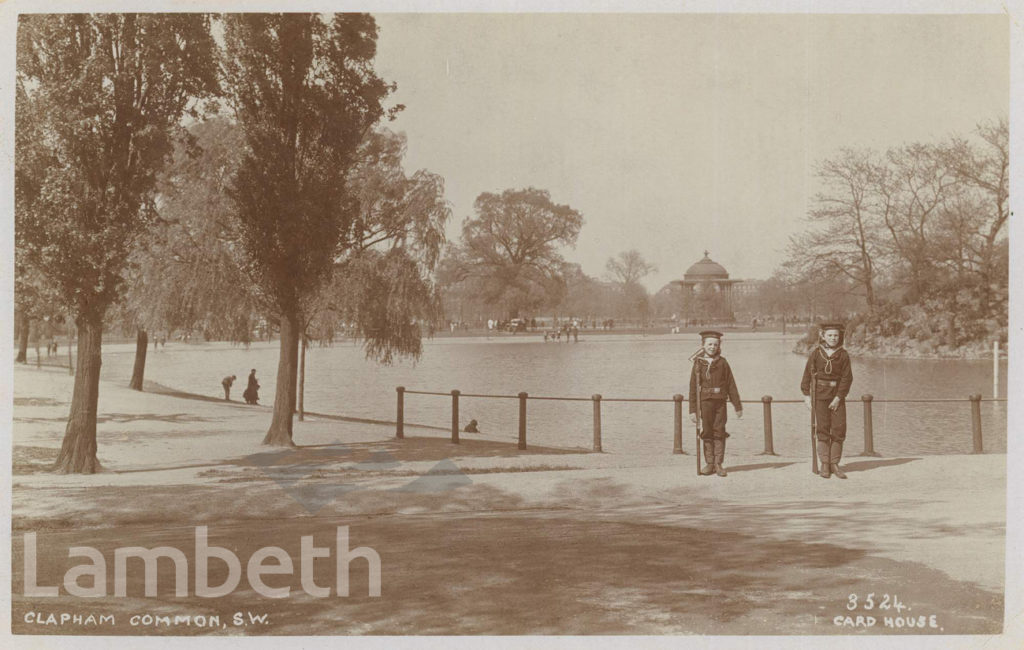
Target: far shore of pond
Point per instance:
(120, 344)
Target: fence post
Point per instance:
(869, 428)
(769, 442)
(455, 417)
(522, 420)
(597, 422)
(677, 429)
(400, 416)
(976, 423)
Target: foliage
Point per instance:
(380, 288)
(304, 93)
(383, 295)
(186, 273)
(921, 232)
(509, 254)
(102, 96)
(105, 93)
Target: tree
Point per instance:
(628, 269)
(304, 92)
(29, 284)
(510, 249)
(380, 282)
(186, 274)
(986, 171)
(912, 187)
(924, 226)
(844, 238)
(586, 297)
(108, 91)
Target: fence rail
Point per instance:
(766, 401)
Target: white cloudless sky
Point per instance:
(675, 133)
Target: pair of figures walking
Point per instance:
(826, 383)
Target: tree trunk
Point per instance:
(302, 380)
(71, 359)
(78, 453)
(23, 326)
(280, 432)
(141, 346)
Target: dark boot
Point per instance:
(834, 457)
(709, 458)
(824, 459)
(720, 457)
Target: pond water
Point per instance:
(340, 381)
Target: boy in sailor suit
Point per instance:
(828, 366)
(712, 372)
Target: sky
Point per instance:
(676, 133)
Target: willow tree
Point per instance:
(304, 92)
(108, 92)
(185, 274)
(380, 286)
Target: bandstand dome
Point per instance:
(706, 269)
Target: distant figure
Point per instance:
(226, 383)
(251, 394)
(471, 427)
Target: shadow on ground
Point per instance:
(412, 448)
(866, 465)
(748, 468)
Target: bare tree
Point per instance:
(986, 170)
(911, 188)
(844, 235)
(629, 267)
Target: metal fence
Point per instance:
(677, 439)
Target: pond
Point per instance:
(340, 381)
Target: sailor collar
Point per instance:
(830, 352)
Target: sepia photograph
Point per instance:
(691, 323)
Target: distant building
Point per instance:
(746, 287)
(708, 290)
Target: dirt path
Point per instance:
(530, 572)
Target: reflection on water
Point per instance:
(340, 381)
